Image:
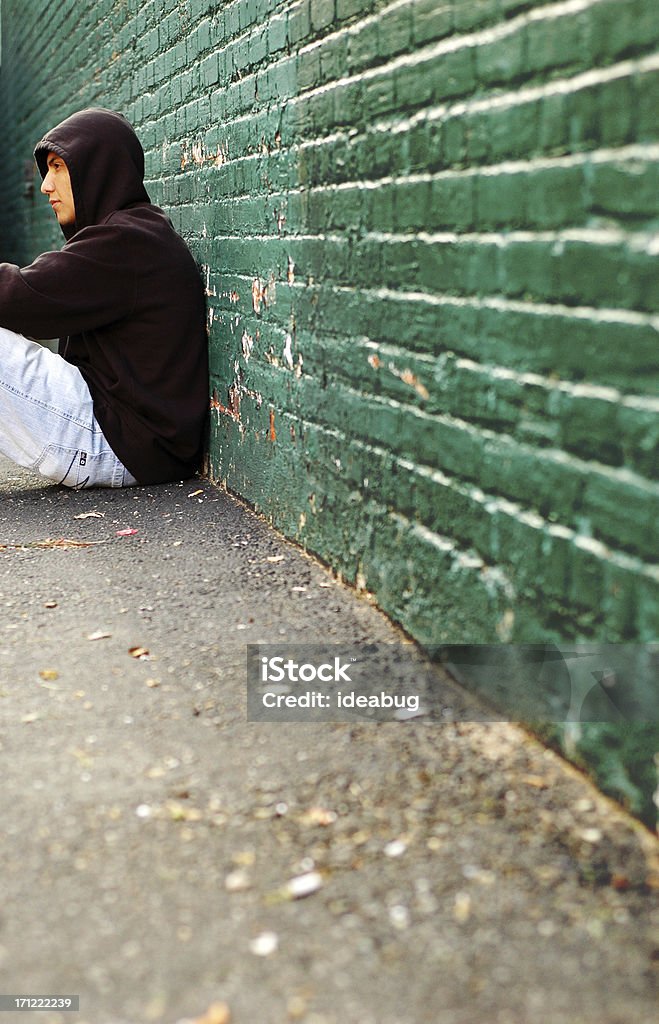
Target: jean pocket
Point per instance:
(67, 466)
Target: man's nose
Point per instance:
(46, 185)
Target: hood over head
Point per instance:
(105, 160)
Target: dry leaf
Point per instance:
(138, 652)
(90, 515)
(129, 532)
(318, 816)
(58, 542)
(49, 673)
(195, 493)
(99, 635)
(217, 1013)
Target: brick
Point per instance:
(556, 197)
(414, 86)
(299, 23)
(277, 33)
(625, 188)
(615, 30)
(322, 14)
(451, 203)
(501, 200)
(431, 20)
(333, 59)
(362, 45)
(394, 31)
(622, 510)
(616, 113)
(502, 60)
(349, 9)
(555, 42)
(475, 14)
(454, 74)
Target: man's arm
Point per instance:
(89, 283)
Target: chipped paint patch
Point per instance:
(374, 361)
(290, 273)
(234, 400)
(270, 296)
(247, 345)
(287, 354)
(208, 291)
(195, 153)
(272, 433)
(217, 406)
(264, 293)
(412, 380)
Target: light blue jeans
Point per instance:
(47, 420)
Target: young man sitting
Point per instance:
(125, 400)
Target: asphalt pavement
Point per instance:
(165, 859)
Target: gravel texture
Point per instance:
(170, 861)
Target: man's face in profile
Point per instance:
(57, 186)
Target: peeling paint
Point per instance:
(302, 522)
(234, 400)
(256, 395)
(247, 345)
(265, 293)
(195, 153)
(271, 358)
(505, 625)
(410, 378)
(272, 433)
(208, 291)
(298, 366)
(374, 361)
(234, 296)
(280, 217)
(270, 295)
(287, 354)
(290, 273)
(220, 409)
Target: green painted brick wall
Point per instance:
(428, 233)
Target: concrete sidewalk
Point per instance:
(460, 872)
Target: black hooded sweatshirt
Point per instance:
(125, 298)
